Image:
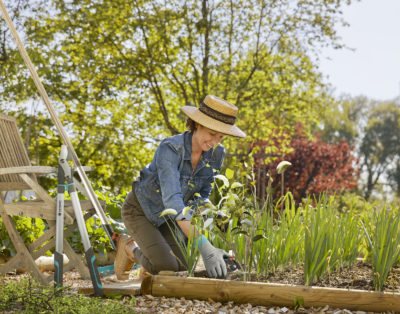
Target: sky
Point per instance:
(373, 68)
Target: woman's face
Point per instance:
(205, 139)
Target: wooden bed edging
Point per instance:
(109, 289)
(268, 294)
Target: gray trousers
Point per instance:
(158, 249)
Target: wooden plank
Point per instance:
(43, 238)
(38, 209)
(39, 191)
(13, 186)
(74, 259)
(31, 209)
(28, 169)
(11, 265)
(34, 246)
(12, 149)
(7, 118)
(125, 288)
(85, 168)
(268, 294)
(23, 254)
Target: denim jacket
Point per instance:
(169, 181)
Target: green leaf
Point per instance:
(207, 211)
(223, 179)
(208, 223)
(236, 185)
(240, 232)
(185, 210)
(169, 211)
(229, 173)
(247, 222)
(258, 237)
(282, 166)
(298, 302)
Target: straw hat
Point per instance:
(216, 114)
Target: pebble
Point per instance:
(164, 305)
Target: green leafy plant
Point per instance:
(384, 243)
(28, 296)
(29, 229)
(113, 201)
(187, 246)
(260, 236)
(244, 218)
(349, 237)
(316, 242)
(283, 243)
(331, 238)
(97, 236)
(230, 222)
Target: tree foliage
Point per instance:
(373, 127)
(317, 167)
(380, 146)
(119, 71)
(344, 120)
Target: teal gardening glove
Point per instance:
(213, 259)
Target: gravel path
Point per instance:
(163, 305)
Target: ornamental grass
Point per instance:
(384, 243)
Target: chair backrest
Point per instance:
(12, 153)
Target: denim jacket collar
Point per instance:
(187, 142)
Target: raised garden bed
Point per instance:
(351, 288)
(359, 277)
(267, 294)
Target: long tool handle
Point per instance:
(58, 254)
(89, 252)
(60, 128)
(58, 269)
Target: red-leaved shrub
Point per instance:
(316, 167)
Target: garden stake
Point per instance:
(65, 173)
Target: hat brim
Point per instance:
(197, 116)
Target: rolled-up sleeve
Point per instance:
(167, 162)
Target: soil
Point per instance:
(356, 277)
(359, 277)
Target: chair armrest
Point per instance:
(85, 168)
(35, 169)
(28, 169)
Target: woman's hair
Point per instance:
(190, 125)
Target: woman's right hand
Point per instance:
(213, 259)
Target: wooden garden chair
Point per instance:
(17, 173)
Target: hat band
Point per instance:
(216, 114)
